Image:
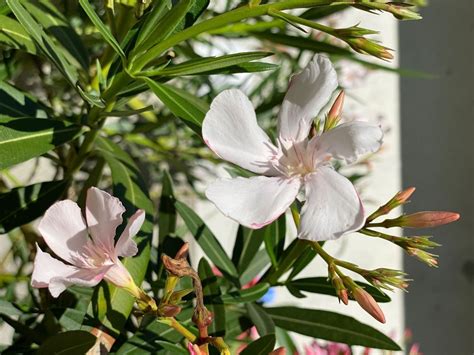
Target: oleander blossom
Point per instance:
(332, 206)
(87, 260)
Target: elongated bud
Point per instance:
(169, 310)
(367, 302)
(427, 219)
(365, 46)
(422, 255)
(334, 113)
(399, 199)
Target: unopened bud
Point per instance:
(427, 258)
(367, 302)
(194, 349)
(341, 290)
(365, 46)
(169, 310)
(386, 278)
(334, 113)
(402, 11)
(399, 199)
(427, 219)
(202, 317)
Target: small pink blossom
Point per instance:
(332, 206)
(87, 260)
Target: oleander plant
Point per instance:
(118, 116)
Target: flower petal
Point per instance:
(125, 245)
(230, 129)
(256, 201)
(104, 215)
(349, 141)
(332, 206)
(308, 93)
(57, 276)
(64, 230)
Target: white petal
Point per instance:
(332, 206)
(308, 92)
(125, 245)
(104, 215)
(256, 201)
(64, 230)
(57, 276)
(230, 129)
(119, 276)
(349, 141)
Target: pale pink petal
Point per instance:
(230, 129)
(57, 276)
(125, 245)
(104, 215)
(308, 93)
(119, 275)
(64, 230)
(349, 141)
(332, 206)
(256, 201)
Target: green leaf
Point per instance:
(206, 239)
(262, 346)
(305, 258)
(167, 211)
(160, 8)
(260, 319)
(72, 342)
(104, 31)
(24, 204)
(212, 292)
(44, 42)
(25, 138)
(15, 103)
(251, 294)
(330, 326)
(57, 26)
(323, 286)
(112, 306)
(13, 35)
(181, 103)
(284, 339)
(274, 237)
(259, 263)
(247, 244)
(9, 309)
(207, 65)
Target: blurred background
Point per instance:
(437, 148)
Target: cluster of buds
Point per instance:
(398, 9)
(387, 279)
(416, 245)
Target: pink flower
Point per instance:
(88, 260)
(332, 205)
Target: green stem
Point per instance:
(225, 19)
(173, 323)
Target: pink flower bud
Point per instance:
(367, 302)
(428, 219)
(402, 197)
(194, 349)
(336, 108)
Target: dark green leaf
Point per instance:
(305, 258)
(274, 237)
(167, 211)
(15, 103)
(181, 103)
(330, 326)
(262, 346)
(260, 319)
(25, 138)
(206, 239)
(72, 342)
(113, 305)
(212, 292)
(9, 309)
(104, 31)
(24, 204)
(150, 24)
(13, 35)
(259, 263)
(247, 244)
(284, 339)
(251, 294)
(323, 286)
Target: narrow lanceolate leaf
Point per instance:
(103, 30)
(255, 267)
(262, 346)
(330, 326)
(15, 103)
(212, 293)
(260, 319)
(24, 204)
(206, 239)
(274, 237)
(13, 35)
(251, 294)
(160, 8)
(167, 211)
(206, 65)
(113, 305)
(9, 309)
(323, 286)
(72, 342)
(25, 138)
(247, 244)
(181, 103)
